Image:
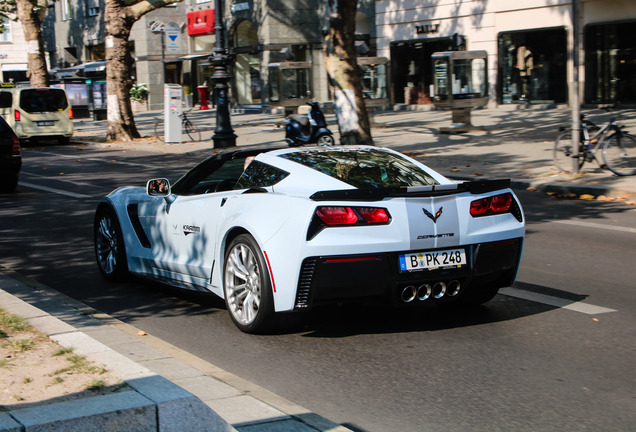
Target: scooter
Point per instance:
(308, 129)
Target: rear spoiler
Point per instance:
(378, 194)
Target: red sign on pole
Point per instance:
(200, 22)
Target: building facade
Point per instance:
(276, 48)
(13, 51)
(529, 45)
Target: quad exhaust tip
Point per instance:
(425, 291)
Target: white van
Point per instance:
(35, 113)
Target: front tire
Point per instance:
(192, 131)
(110, 250)
(247, 286)
(619, 154)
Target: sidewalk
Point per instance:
(510, 142)
(168, 390)
(172, 390)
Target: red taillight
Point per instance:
(16, 115)
(492, 205)
(501, 203)
(352, 215)
(70, 113)
(373, 215)
(337, 215)
(479, 207)
(15, 151)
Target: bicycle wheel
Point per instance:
(159, 129)
(191, 130)
(619, 154)
(563, 152)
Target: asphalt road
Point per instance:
(554, 353)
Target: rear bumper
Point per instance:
(329, 279)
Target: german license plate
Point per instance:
(45, 123)
(432, 260)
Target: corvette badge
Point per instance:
(430, 215)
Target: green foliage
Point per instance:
(139, 92)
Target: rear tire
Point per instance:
(9, 183)
(247, 286)
(326, 140)
(159, 130)
(110, 250)
(619, 154)
(562, 153)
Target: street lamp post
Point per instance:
(223, 133)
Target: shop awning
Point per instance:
(195, 56)
(99, 66)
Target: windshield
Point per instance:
(364, 168)
(43, 100)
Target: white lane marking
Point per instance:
(53, 190)
(555, 301)
(595, 225)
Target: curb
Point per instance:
(152, 402)
(167, 390)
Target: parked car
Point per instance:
(277, 231)
(10, 157)
(37, 113)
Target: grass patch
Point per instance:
(4, 363)
(62, 351)
(19, 345)
(10, 322)
(96, 384)
(79, 364)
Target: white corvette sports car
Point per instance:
(274, 231)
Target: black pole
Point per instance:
(223, 134)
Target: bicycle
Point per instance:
(190, 129)
(618, 148)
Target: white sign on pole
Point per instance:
(173, 42)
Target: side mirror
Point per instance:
(158, 187)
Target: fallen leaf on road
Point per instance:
(455, 170)
(587, 197)
(141, 333)
(531, 189)
(478, 174)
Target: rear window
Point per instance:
(43, 100)
(364, 168)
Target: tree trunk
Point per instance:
(344, 78)
(30, 16)
(121, 123)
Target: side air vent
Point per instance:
(303, 294)
(133, 214)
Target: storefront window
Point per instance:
(374, 81)
(610, 63)
(295, 83)
(532, 66)
(247, 75)
(412, 68)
